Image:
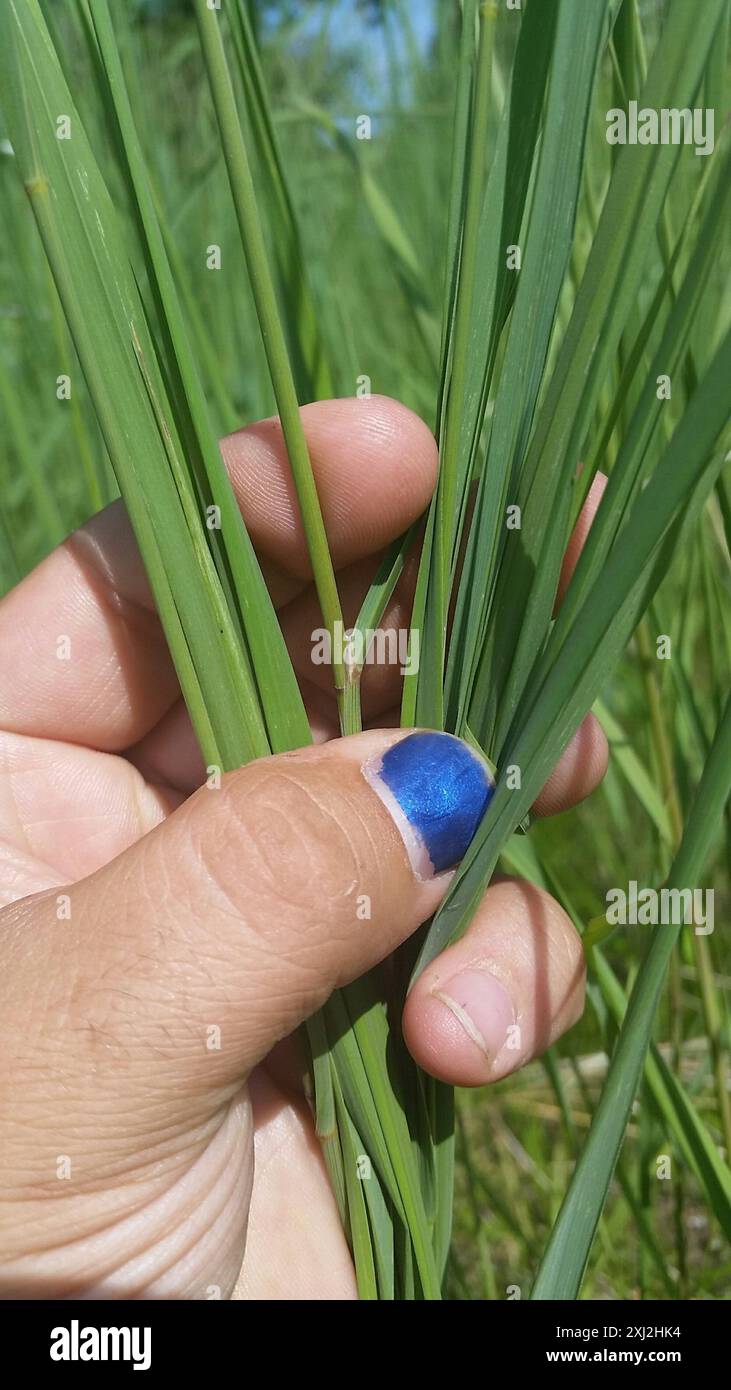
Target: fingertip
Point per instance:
(403, 439)
(375, 465)
(577, 540)
(578, 772)
(501, 994)
(457, 1030)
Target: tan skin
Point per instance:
(97, 753)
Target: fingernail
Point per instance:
(482, 1006)
(437, 790)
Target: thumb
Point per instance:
(184, 960)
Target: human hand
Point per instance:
(129, 1138)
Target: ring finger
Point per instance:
(502, 993)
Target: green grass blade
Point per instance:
(634, 772)
(98, 290)
(626, 476)
(313, 378)
(370, 1027)
(675, 1106)
(252, 236)
(358, 1224)
(548, 240)
(238, 568)
(563, 1264)
(599, 633)
(485, 301)
(608, 291)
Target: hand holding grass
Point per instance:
(143, 1024)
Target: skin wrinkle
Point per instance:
(374, 857)
(527, 948)
(301, 962)
(130, 621)
(188, 967)
(169, 1161)
(165, 1157)
(188, 895)
(297, 964)
(331, 830)
(297, 952)
(42, 982)
(168, 1131)
(123, 614)
(73, 1210)
(234, 1172)
(283, 882)
(33, 874)
(201, 867)
(199, 973)
(227, 1196)
(316, 832)
(19, 828)
(287, 1138)
(126, 808)
(105, 680)
(343, 838)
(22, 875)
(92, 1008)
(80, 601)
(216, 1163)
(223, 1236)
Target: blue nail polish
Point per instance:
(437, 789)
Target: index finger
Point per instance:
(85, 657)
